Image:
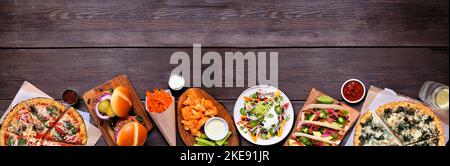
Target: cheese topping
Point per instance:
(373, 133)
(409, 124)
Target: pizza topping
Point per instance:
(36, 112)
(21, 123)
(387, 113)
(21, 142)
(67, 129)
(429, 119)
(57, 135)
(410, 122)
(10, 141)
(412, 125)
(47, 114)
(52, 111)
(373, 133)
(38, 128)
(71, 129)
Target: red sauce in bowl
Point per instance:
(353, 91)
(70, 97)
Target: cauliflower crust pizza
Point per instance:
(399, 124)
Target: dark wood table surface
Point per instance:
(58, 45)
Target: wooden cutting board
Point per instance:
(91, 96)
(312, 99)
(186, 136)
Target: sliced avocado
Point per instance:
(337, 124)
(312, 117)
(328, 138)
(322, 115)
(325, 100)
(260, 110)
(305, 130)
(317, 134)
(292, 142)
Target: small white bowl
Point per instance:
(356, 101)
(218, 136)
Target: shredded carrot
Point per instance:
(158, 101)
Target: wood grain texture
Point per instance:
(90, 98)
(223, 23)
(186, 136)
(55, 70)
(312, 99)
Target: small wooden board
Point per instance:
(186, 136)
(90, 97)
(312, 99)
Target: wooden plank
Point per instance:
(231, 23)
(55, 70)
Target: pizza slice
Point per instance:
(69, 129)
(370, 131)
(11, 139)
(46, 110)
(20, 121)
(411, 122)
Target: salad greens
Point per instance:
(263, 115)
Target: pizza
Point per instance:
(46, 110)
(33, 122)
(20, 121)
(11, 139)
(69, 129)
(370, 131)
(411, 124)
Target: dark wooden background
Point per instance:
(58, 45)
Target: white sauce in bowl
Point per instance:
(216, 128)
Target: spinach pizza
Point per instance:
(370, 131)
(400, 123)
(42, 122)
